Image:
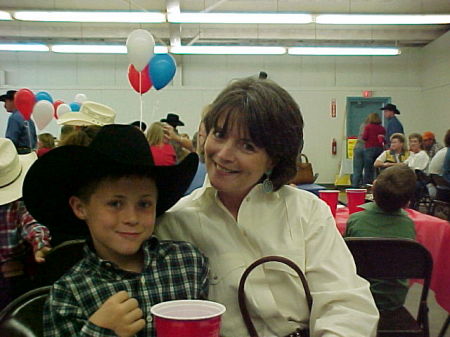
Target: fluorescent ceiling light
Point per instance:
(98, 49)
(228, 50)
(337, 51)
(5, 16)
(95, 16)
(381, 19)
(239, 18)
(23, 47)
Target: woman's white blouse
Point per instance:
(418, 161)
(290, 223)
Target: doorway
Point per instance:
(358, 108)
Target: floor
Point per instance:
(437, 315)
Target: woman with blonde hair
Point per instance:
(162, 151)
(46, 142)
(373, 137)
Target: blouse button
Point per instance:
(149, 318)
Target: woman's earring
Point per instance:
(267, 185)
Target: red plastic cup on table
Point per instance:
(187, 318)
(355, 198)
(331, 198)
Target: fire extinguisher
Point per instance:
(334, 147)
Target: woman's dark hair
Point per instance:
(394, 187)
(270, 117)
(374, 118)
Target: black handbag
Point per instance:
(241, 294)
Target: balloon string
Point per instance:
(27, 126)
(140, 91)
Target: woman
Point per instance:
(254, 133)
(418, 159)
(373, 137)
(45, 143)
(163, 152)
(358, 157)
(396, 154)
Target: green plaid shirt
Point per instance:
(172, 270)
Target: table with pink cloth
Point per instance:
(434, 234)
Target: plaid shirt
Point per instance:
(16, 227)
(172, 270)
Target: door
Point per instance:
(358, 108)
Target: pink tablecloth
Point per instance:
(434, 234)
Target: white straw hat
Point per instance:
(13, 168)
(91, 113)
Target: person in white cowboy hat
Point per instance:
(18, 229)
(91, 113)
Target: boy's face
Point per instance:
(120, 215)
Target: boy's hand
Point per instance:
(121, 314)
(39, 255)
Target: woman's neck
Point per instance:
(231, 202)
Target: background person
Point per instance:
(396, 155)
(418, 158)
(358, 157)
(392, 190)
(246, 211)
(21, 132)
(429, 144)
(393, 124)
(20, 233)
(46, 142)
(373, 137)
(162, 151)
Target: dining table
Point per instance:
(434, 234)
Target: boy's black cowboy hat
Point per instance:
(57, 175)
(172, 119)
(391, 107)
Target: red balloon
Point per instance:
(24, 101)
(56, 104)
(133, 78)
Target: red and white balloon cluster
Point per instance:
(42, 108)
(147, 69)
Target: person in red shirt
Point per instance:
(162, 151)
(46, 142)
(373, 136)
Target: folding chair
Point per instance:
(23, 316)
(59, 260)
(422, 196)
(439, 182)
(444, 327)
(393, 258)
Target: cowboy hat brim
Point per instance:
(61, 171)
(13, 190)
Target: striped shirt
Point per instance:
(172, 270)
(17, 228)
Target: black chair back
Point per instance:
(59, 260)
(394, 258)
(23, 316)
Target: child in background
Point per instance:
(392, 191)
(113, 187)
(46, 142)
(18, 229)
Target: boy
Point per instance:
(18, 229)
(113, 187)
(392, 190)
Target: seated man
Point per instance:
(385, 217)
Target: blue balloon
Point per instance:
(43, 96)
(162, 69)
(74, 106)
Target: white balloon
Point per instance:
(42, 113)
(80, 98)
(62, 109)
(140, 47)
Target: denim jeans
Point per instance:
(358, 165)
(370, 154)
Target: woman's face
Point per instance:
(414, 145)
(396, 145)
(234, 163)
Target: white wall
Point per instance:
(313, 82)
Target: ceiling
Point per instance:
(233, 34)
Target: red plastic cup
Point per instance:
(355, 197)
(331, 198)
(187, 318)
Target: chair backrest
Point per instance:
(422, 177)
(59, 260)
(23, 316)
